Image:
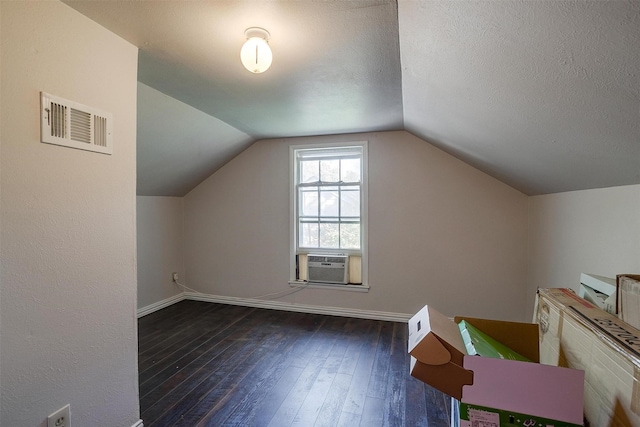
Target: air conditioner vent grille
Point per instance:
(100, 131)
(328, 268)
(74, 125)
(80, 126)
(58, 120)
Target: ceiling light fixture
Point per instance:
(256, 54)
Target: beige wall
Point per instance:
(440, 231)
(592, 231)
(68, 265)
(160, 247)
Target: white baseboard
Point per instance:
(138, 424)
(302, 308)
(159, 305)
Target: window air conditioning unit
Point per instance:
(328, 268)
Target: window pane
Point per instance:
(351, 170)
(309, 171)
(330, 170)
(309, 202)
(350, 236)
(350, 203)
(329, 202)
(329, 198)
(309, 235)
(329, 236)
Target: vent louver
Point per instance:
(328, 269)
(74, 125)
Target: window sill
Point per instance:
(349, 288)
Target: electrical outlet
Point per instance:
(174, 276)
(60, 418)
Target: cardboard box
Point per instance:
(577, 334)
(628, 298)
(478, 343)
(438, 357)
(435, 341)
(599, 290)
(470, 415)
(465, 414)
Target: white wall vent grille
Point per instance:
(328, 268)
(74, 125)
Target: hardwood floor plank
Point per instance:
(265, 410)
(310, 408)
(189, 392)
(380, 369)
(170, 341)
(352, 353)
(357, 339)
(196, 317)
(254, 387)
(187, 369)
(216, 386)
(171, 345)
(287, 411)
(438, 407)
(148, 321)
(394, 415)
(219, 330)
(415, 405)
(373, 412)
(329, 414)
(205, 364)
(155, 319)
(314, 341)
(220, 391)
(353, 337)
(180, 320)
(354, 402)
(181, 397)
(196, 359)
(260, 413)
(349, 420)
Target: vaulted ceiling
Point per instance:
(543, 95)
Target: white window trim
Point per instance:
(364, 216)
(350, 288)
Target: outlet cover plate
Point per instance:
(60, 418)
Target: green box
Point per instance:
(479, 343)
(480, 416)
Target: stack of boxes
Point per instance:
(494, 391)
(628, 298)
(578, 334)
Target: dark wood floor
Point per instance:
(205, 364)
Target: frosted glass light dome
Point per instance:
(256, 54)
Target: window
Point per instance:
(329, 205)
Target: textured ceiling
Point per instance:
(544, 96)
